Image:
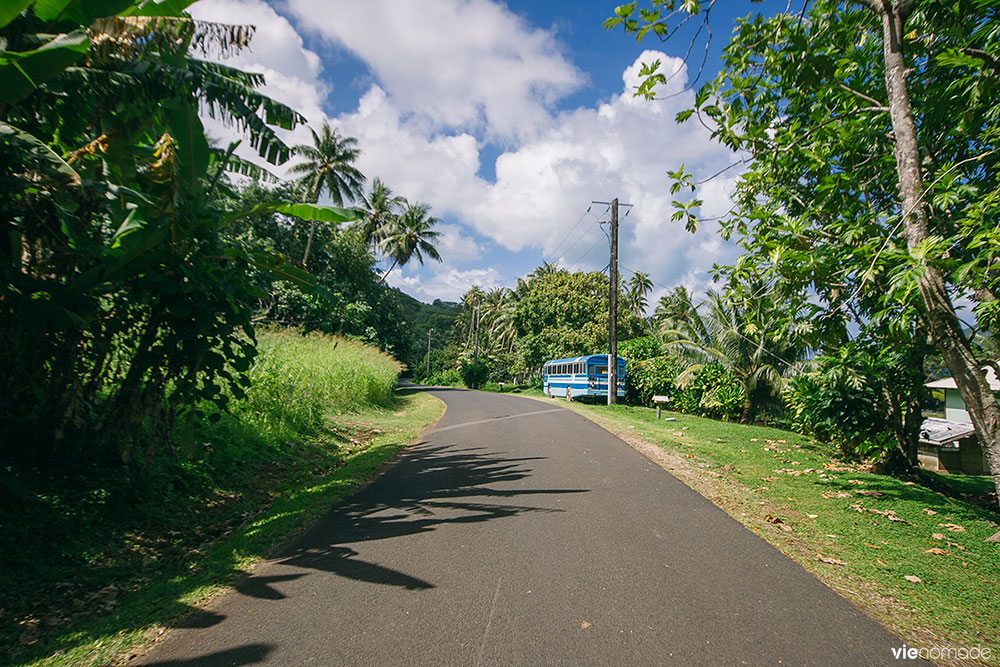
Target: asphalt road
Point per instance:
(517, 532)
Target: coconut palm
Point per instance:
(545, 269)
(637, 287)
(380, 210)
(411, 235)
(677, 316)
(328, 166)
(741, 337)
(497, 318)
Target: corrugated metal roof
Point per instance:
(943, 432)
(949, 383)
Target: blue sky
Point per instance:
(508, 119)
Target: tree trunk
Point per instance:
(389, 270)
(945, 331)
(309, 242)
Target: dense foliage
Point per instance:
(122, 304)
(869, 133)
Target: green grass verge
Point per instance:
(861, 533)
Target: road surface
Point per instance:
(516, 532)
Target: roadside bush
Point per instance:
(446, 378)
(651, 377)
(640, 349)
(714, 392)
(833, 409)
(474, 373)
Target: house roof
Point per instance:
(949, 382)
(942, 432)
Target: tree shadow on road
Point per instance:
(428, 487)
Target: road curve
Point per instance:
(518, 532)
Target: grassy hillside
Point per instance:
(104, 555)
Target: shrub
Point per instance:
(651, 377)
(714, 392)
(446, 378)
(474, 373)
(640, 349)
(833, 409)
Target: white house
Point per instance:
(950, 444)
(954, 406)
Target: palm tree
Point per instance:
(741, 337)
(380, 207)
(677, 316)
(409, 236)
(328, 165)
(638, 286)
(497, 317)
(546, 269)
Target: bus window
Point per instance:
(602, 370)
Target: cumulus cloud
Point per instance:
(456, 245)
(459, 64)
(447, 284)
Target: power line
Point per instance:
(570, 232)
(573, 265)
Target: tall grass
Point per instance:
(298, 379)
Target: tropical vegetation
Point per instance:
(869, 132)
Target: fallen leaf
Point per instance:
(813, 516)
(953, 527)
(836, 494)
(938, 536)
(994, 538)
(957, 546)
(690, 456)
(873, 494)
(855, 481)
(584, 625)
(873, 546)
(879, 561)
(831, 561)
(910, 577)
(928, 512)
(938, 552)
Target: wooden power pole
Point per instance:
(613, 301)
(613, 308)
(429, 331)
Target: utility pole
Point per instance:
(613, 308)
(429, 331)
(475, 354)
(613, 302)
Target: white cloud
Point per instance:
(445, 283)
(459, 64)
(457, 246)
